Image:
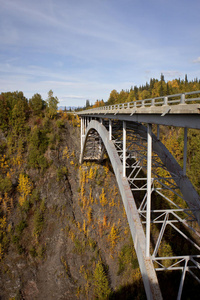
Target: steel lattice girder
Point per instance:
(141, 133)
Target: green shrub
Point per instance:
(15, 239)
(21, 226)
(38, 222)
(5, 184)
(61, 173)
(60, 123)
(127, 257)
(101, 283)
(33, 251)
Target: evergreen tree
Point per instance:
(186, 79)
(162, 80)
(36, 104)
(87, 104)
(102, 289)
(52, 104)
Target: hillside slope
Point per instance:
(64, 233)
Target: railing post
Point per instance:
(110, 129)
(165, 100)
(185, 152)
(124, 149)
(182, 98)
(148, 214)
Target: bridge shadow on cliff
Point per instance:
(169, 283)
(130, 292)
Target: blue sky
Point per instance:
(83, 49)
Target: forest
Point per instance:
(155, 88)
(62, 224)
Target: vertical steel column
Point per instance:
(182, 280)
(124, 149)
(110, 129)
(82, 131)
(158, 132)
(85, 125)
(185, 152)
(81, 134)
(149, 161)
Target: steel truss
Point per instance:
(167, 208)
(167, 188)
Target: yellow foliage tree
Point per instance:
(65, 153)
(3, 164)
(84, 227)
(89, 213)
(25, 188)
(102, 198)
(91, 200)
(91, 174)
(113, 236)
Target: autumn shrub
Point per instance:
(92, 243)
(79, 246)
(113, 236)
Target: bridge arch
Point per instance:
(146, 266)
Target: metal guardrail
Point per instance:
(182, 98)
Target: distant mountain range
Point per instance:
(67, 107)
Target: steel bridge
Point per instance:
(156, 193)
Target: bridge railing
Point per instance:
(182, 98)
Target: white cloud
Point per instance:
(172, 74)
(197, 61)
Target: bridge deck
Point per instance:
(164, 109)
(181, 110)
(179, 116)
